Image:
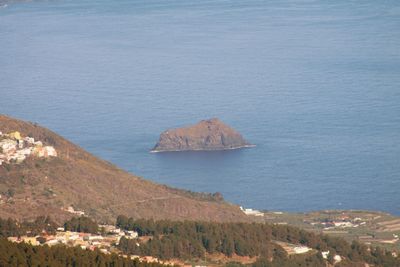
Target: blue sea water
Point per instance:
(314, 84)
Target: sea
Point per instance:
(314, 84)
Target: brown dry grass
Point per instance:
(99, 188)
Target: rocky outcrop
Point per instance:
(210, 134)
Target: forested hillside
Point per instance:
(198, 239)
(194, 241)
(13, 254)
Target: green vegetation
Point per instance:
(13, 254)
(314, 260)
(214, 197)
(189, 239)
(81, 224)
(372, 227)
(12, 227)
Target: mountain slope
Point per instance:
(43, 186)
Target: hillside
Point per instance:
(46, 186)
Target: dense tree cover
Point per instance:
(11, 227)
(13, 254)
(309, 260)
(314, 260)
(193, 239)
(215, 197)
(187, 239)
(81, 224)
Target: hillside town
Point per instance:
(14, 148)
(106, 241)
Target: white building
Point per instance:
(343, 224)
(325, 254)
(8, 146)
(131, 234)
(29, 140)
(252, 212)
(337, 258)
(70, 209)
(301, 249)
(47, 151)
(52, 242)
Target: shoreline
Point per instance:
(200, 150)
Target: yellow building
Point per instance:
(16, 135)
(30, 240)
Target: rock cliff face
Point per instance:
(206, 135)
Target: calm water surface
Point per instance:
(315, 84)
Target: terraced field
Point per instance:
(370, 227)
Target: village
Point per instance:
(106, 241)
(109, 236)
(15, 149)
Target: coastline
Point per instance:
(199, 150)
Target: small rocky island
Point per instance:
(210, 134)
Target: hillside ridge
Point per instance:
(77, 179)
